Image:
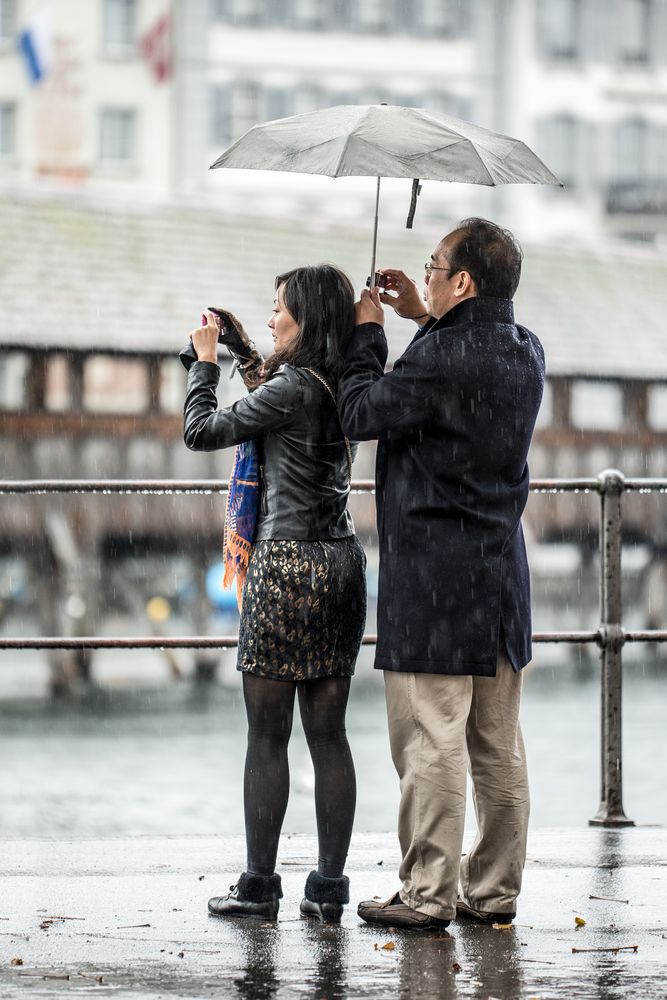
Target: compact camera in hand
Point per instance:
(232, 335)
(379, 280)
(227, 324)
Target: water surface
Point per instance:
(168, 759)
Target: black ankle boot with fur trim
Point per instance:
(253, 896)
(324, 897)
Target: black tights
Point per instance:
(270, 707)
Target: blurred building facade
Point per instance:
(142, 95)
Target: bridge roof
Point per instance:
(135, 278)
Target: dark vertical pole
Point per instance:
(610, 811)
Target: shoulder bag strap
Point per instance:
(347, 443)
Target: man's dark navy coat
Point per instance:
(454, 420)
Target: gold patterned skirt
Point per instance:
(304, 609)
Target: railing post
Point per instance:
(612, 638)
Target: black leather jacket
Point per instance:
(293, 419)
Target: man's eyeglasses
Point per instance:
(428, 267)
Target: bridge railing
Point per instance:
(609, 636)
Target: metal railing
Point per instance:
(610, 636)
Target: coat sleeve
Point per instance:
(269, 407)
(371, 402)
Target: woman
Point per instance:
(304, 600)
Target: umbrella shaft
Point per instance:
(375, 230)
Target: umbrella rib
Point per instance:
(479, 156)
(342, 154)
(503, 158)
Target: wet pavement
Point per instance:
(132, 922)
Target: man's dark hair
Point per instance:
(490, 255)
(321, 300)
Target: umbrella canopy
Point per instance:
(380, 140)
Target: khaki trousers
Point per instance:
(438, 726)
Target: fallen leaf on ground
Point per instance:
(389, 946)
(580, 922)
(456, 967)
(16, 961)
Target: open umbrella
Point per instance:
(379, 140)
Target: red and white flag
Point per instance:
(155, 45)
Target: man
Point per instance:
(454, 421)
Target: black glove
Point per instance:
(247, 358)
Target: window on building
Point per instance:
(7, 129)
(239, 105)
(117, 135)
(308, 13)
(7, 21)
(14, 367)
(446, 18)
(597, 405)
(629, 151)
(308, 97)
(119, 26)
(546, 411)
(559, 28)
(276, 103)
(244, 108)
(634, 23)
(340, 14)
(558, 146)
(220, 127)
(114, 385)
(373, 15)
(657, 407)
(246, 11)
(57, 392)
(171, 386)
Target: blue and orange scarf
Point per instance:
(241, 516)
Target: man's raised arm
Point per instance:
(371, 402)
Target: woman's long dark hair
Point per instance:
(321, 300)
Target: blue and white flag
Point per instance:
(36, 45)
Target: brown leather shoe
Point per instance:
(395, 913)
(468, 912)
